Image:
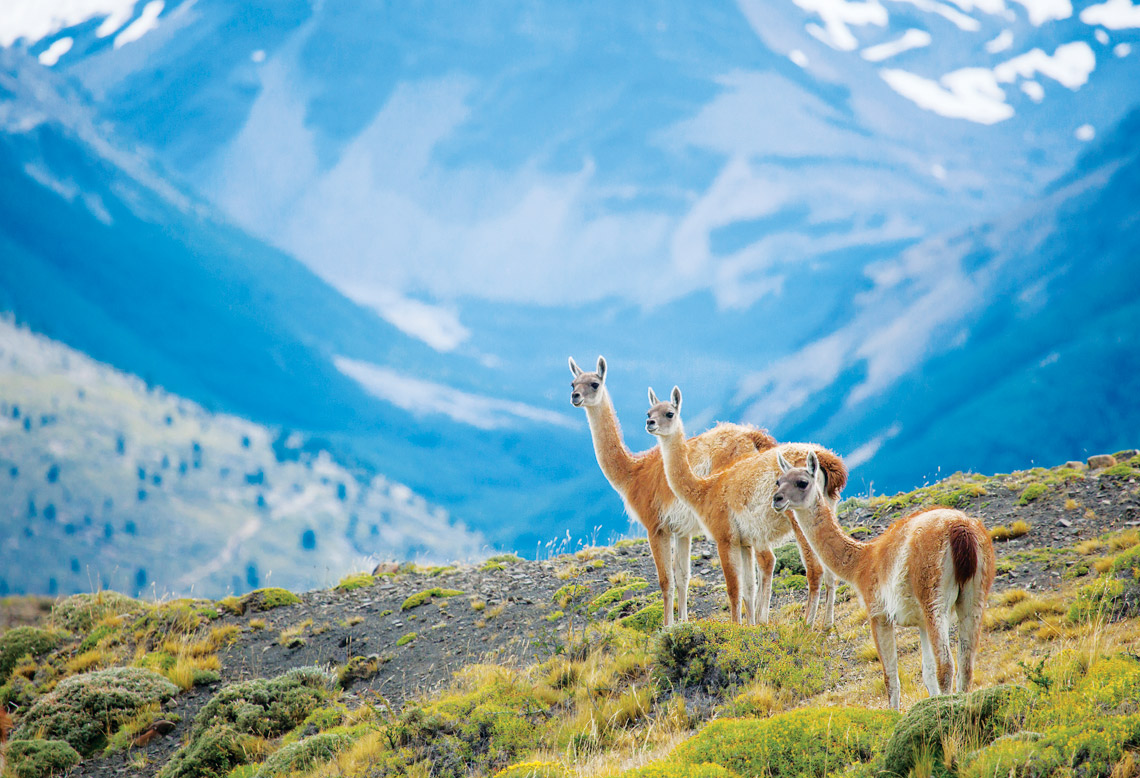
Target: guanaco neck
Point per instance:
(841, 553)
(674, 455)
(614, 458)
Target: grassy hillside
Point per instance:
(559, 668)
(110, 483)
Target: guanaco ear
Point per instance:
(784, 464)
(577, 371)
(602, 369)
(653, 397)
(676, 398)
(812, 465)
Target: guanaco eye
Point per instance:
(802, 484)
(595, 384)
(669, 414)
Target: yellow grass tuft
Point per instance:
(89, 660)
(867, 652)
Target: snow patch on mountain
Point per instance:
(911, 39)
(146, 22)
(1002, 42)
(837, 15)
(1041, 11)
(436, 325)
(1114, 14)
(967, 93)
(427, 397)
(1070, 65)
(34, 20)
(49, 56)
(976, 93)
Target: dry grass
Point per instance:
(94, 659)
(1002, 533)
(867, 652)
(568, 571)
(290, 635)
(1009, 597)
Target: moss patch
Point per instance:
(648, 619)
(358, 581)
(611, 597)
(1032, 492)
(419, 598)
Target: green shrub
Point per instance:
(788, 558)
(613, 596)
(671, 770)
(570, 596)
(714, 656)
(360, 668)
(789, 583)
(268, 707)
(227, 730)
(1031, 493)
(404, 640)
(1090, 748)
(492, 719)
(41, 758)
(975, 719)
(534, 770)
(805, 743)
(269, 599)
(304, 755)
(213, 753)
(19, 642)
(84, 708)
(648, 619)
(80, 612)
(358, 581)
(1098, 599)
(418, 599)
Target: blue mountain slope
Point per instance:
(97, 258)
(1042, 365)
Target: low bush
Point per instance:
(80, 612)
(970, 720)
(230, 729)
(19, 642)
(714, 656)
(304, 755)
(268, 707)
(214, 753)
(805, 743)
(41, 758)
(82, 710)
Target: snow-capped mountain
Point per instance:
(840, 220)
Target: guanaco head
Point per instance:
(664, 418)
(798, 487)
(587, 388)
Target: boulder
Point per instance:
(1099, 461)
